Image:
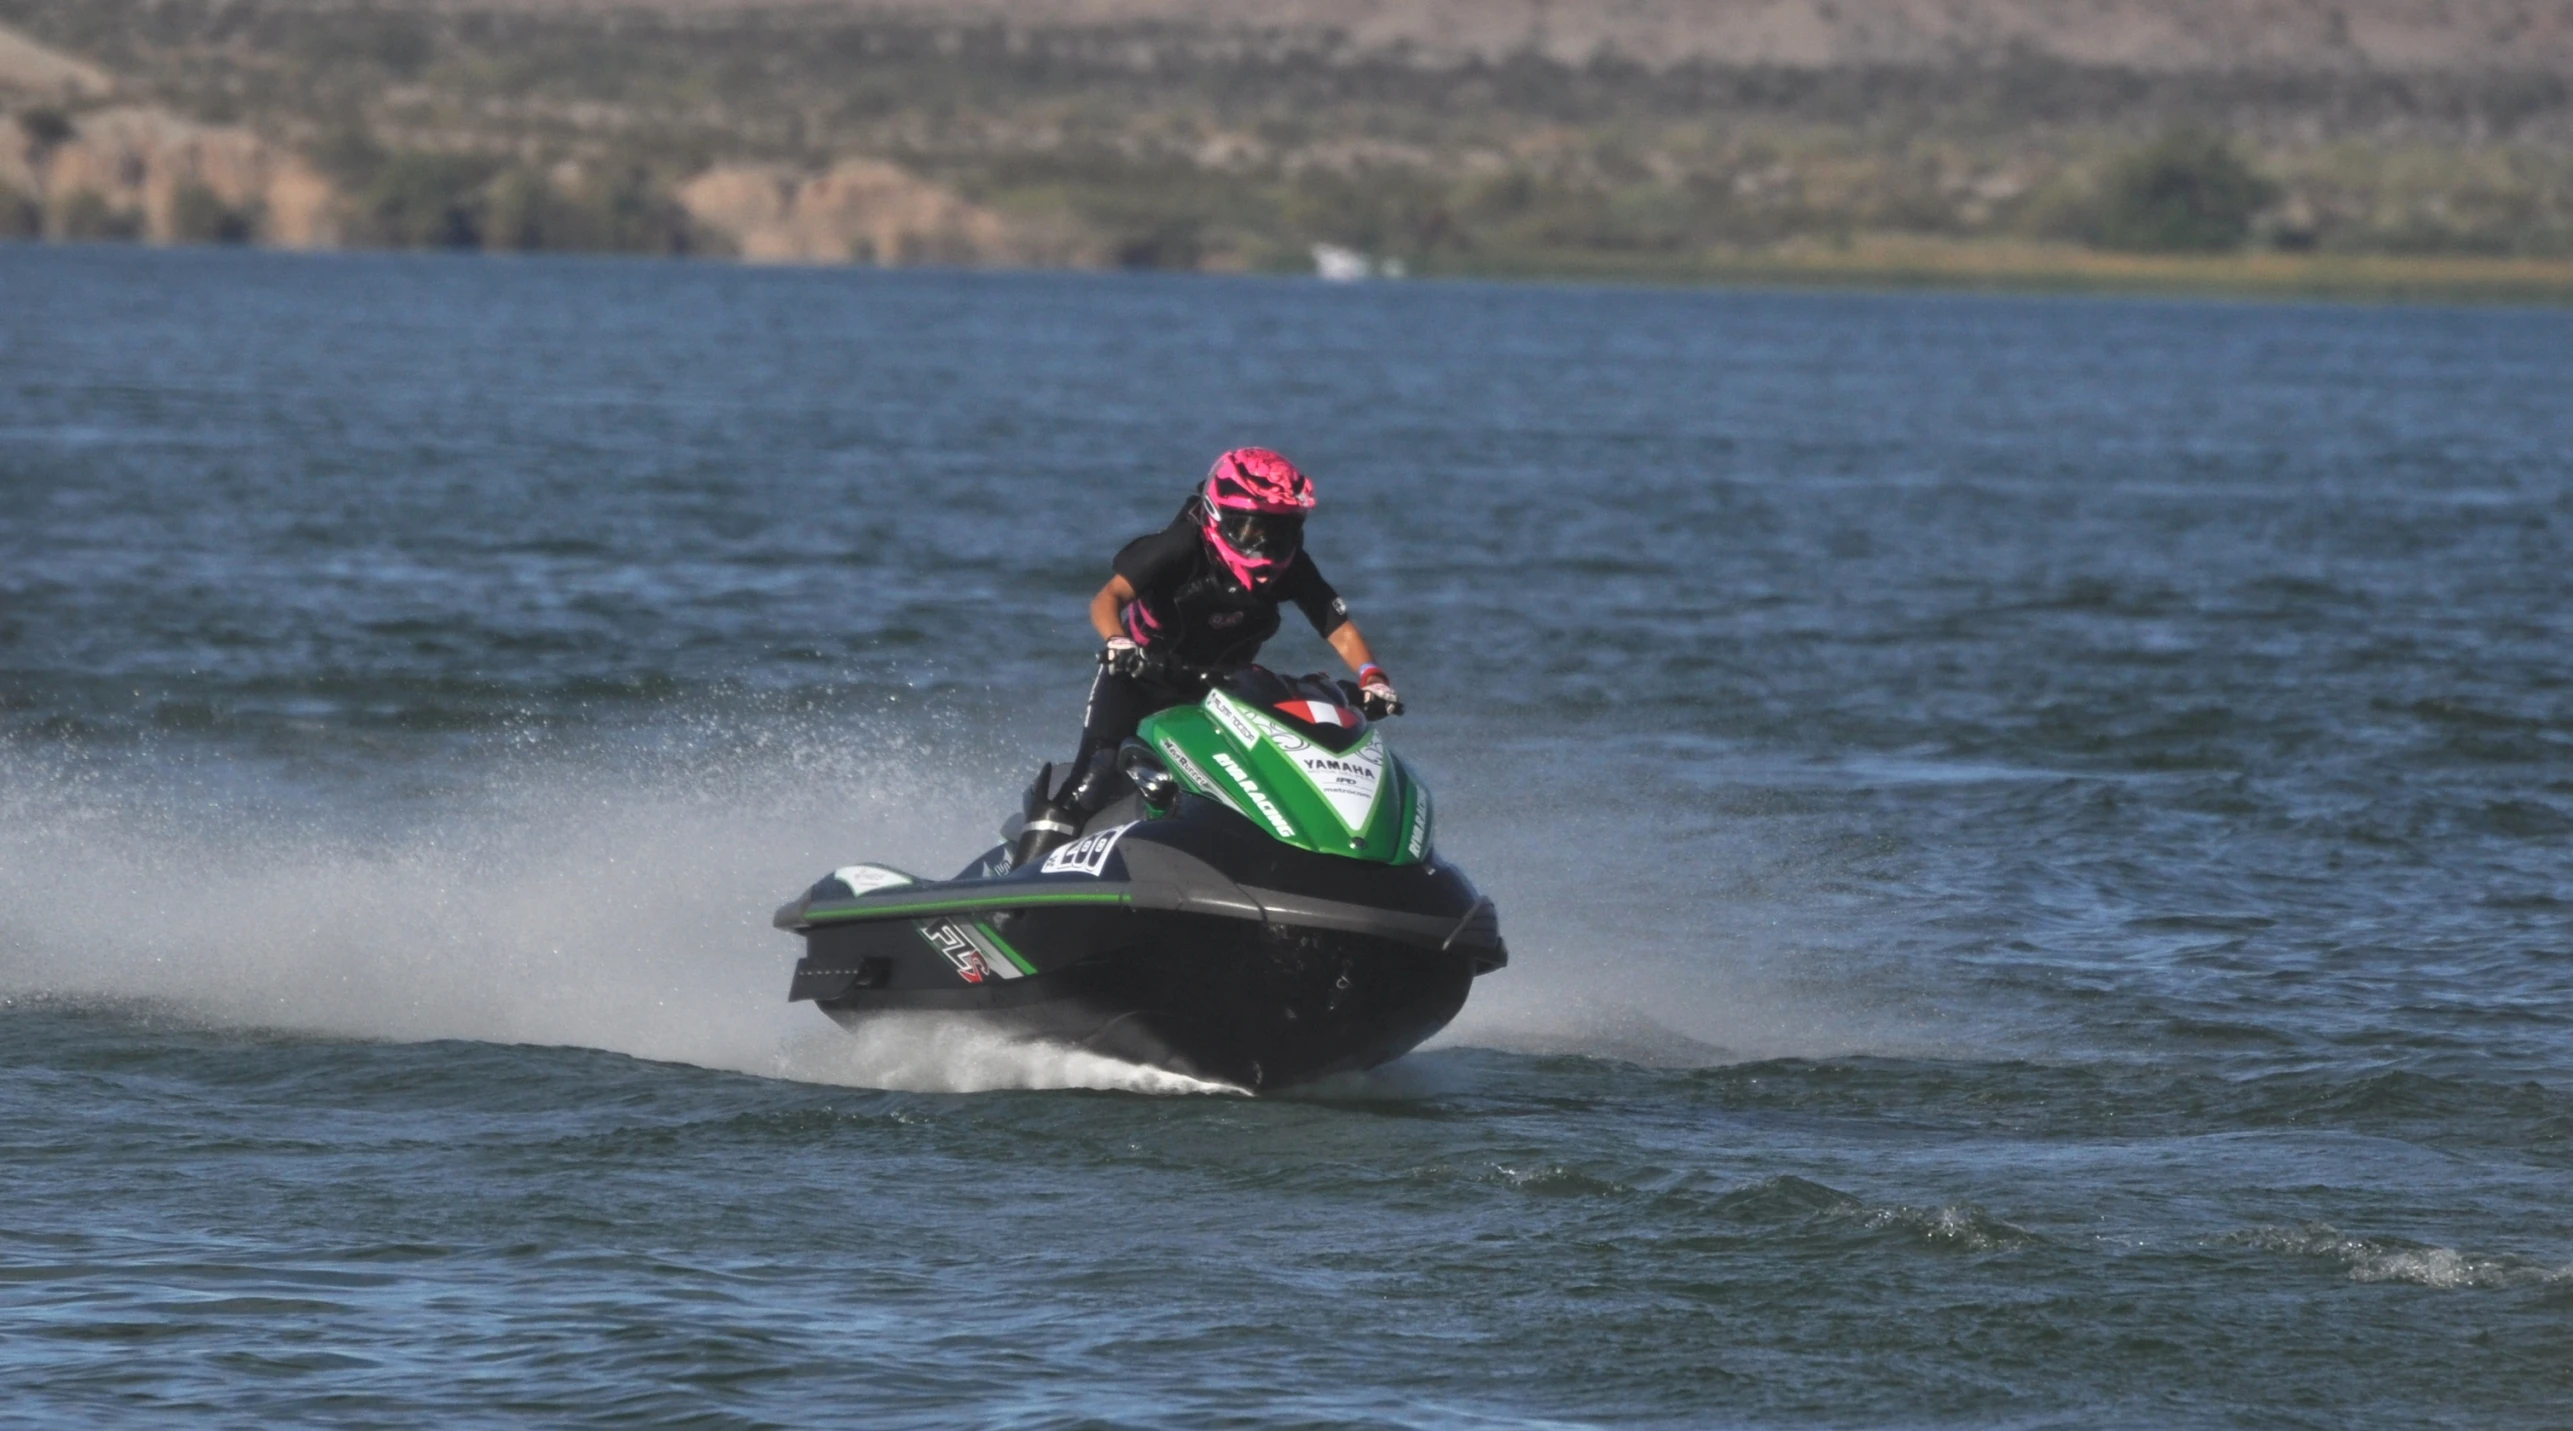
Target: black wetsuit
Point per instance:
(1195, 620)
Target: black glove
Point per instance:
(1124, 658)
(1376, 694)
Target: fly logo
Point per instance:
(1277, 818)
(1087, 855)
(959, 951)
(976, 952)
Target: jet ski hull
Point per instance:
(1258, 1006)
(1188, 942)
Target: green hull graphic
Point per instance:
(955, 905)
(1361, 803)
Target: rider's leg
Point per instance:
(1117, 705)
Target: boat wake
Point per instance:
(619, 899)
(618, 903)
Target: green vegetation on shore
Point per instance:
(2039, 268)
(429, 199)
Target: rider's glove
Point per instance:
(1123, 657)
(1377, 693)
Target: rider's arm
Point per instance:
(1352, 647)
(1381, 699)
(1330, 617)
(1107, 607)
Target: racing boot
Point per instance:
(1048, 821)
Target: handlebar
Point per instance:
(1160, 669)
(1369, 706)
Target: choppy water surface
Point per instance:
(2034, 837)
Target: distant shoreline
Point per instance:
(1914, 264)
(2283, 151)
(1892, 264)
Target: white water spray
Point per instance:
(619, 905)
(1648, 931)
(619, 899)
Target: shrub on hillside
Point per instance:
(199, 215)
(1380, 209)
(44, 129)
(19, 216)
(1149, 213)
(86, 217)
(2188, 192)
(622, 213)
(420, 200)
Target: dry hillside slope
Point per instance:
(1633, 137)
(2457, 36)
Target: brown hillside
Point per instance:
(1496, 136)
(2452, 36)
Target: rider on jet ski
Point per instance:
(1192, 601)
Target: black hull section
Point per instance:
(1258, 1006)
(1188, 941)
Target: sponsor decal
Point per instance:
(958, 950)
(1251, 788)
(1420, 820)
(1197, 778)
(997, 952)
(975, 951)
(863, 879)
(1236, 721)
(1250, 725)
(1349, 782)
(1087, 855)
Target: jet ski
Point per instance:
(1257, 902)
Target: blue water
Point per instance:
(2036, 838)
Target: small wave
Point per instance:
(1534, 1179)
(1954, 1226)
(1785, 1197)
(2392, 1259)
(1556, 1180)
(1962, 1226)
(1786, 1202)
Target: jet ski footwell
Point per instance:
(1188, 941)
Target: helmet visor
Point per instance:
(1262, 536)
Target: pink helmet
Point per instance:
(1255, 503)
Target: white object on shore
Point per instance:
(1334, 264)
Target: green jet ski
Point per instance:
(1259, 903)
